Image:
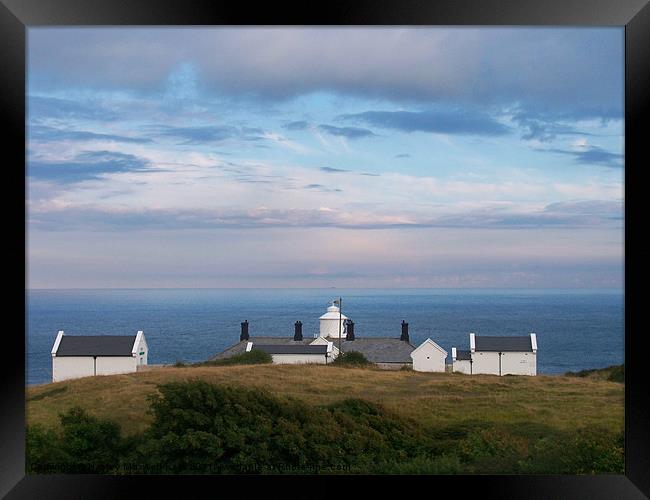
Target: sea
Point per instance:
(576, 329)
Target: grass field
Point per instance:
(432, 399)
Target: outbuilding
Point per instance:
(461, 361)
(429, 357)
(75, 356)
(498, 355)
(284, 354)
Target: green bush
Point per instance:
(85, 445)
(618, 374)
(203, 428)
(350, 358)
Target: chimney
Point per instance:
(244, 331)
(405, 331)
(297, 336)
(349, 328)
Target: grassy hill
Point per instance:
(433, 400)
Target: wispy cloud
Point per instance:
(593, 155)
(211, 133)
(51, 134)
(86, 166)
(332, 170)
(41, 108)
(347, 132)
(460, 121)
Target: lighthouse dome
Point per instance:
(333, 312)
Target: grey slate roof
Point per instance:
(463, 355)
(96, 345)
(375, 349)
(503, 344)
(240, 347)
(380, 349)
(291, 349)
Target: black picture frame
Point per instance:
(18, 15)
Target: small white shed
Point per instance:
(75, 356)
(461, 361)
(429, 357)
(502, 355)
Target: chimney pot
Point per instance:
(244, 331)
(297, 336)
(349, 329)
(405, 331)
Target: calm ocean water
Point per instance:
(576, 329)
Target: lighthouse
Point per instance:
(329, 323)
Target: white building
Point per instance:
(284, 354)
(497, 356)
(429, 357)
(75, 356)
(331, 323)
(461, 361)
(389, 353)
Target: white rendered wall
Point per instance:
(67, 367)
(428, 359)
(295, 359)
(111, 365)
(485, 363)
(330, 328)
(512, 363)
(142, 347)
(518, 363)
(462, 366)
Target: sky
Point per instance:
(397, 157)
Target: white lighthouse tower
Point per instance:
(329, 323)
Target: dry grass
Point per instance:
(431, 398)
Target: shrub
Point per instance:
(204, 428)
(86, 445)
(43, 451)
(617, 374)
(590, 450)
(350, 358)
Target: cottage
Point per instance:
(284, 354)
(75, 356)
(429, 357)
(497, 355)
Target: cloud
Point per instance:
(88, 165)
(347, 132)
(545, 127)
(576, 214)
(593, 155)
(460, 121)
(321, 187)
(50, 134)
(297, 125)
(403, 155)
(214, 133)
(332, 170)
(39, 107)
(580, 70)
